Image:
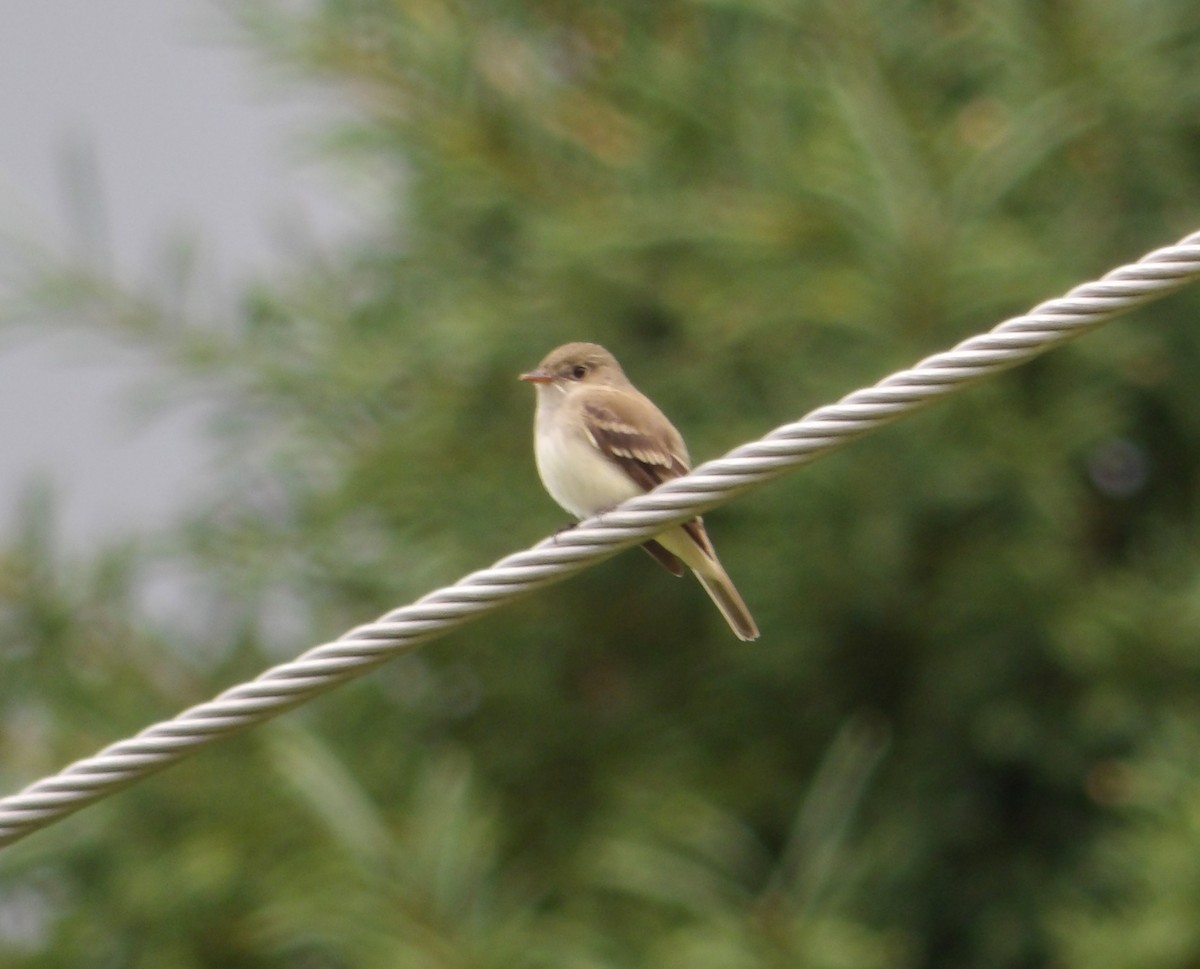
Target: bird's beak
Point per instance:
(537, 377)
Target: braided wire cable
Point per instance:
(750, 466)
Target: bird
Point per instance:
(599, 441)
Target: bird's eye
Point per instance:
(579, 371)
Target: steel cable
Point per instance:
(750, 466)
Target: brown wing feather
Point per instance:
(668, 560)
(647, 447)
(649, 450)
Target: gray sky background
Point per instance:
(185, 133)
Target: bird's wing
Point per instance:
(649, 450)
(668, 560)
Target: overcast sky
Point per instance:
(183, 132)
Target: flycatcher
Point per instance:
(599, 441)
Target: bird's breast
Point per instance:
(577, 475)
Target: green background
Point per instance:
(969, 734)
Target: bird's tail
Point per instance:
(690, 542)
(722, 591)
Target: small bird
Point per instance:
(599, 441)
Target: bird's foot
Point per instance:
(565, 528)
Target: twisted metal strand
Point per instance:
(552, 560)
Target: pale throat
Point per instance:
(577, 475)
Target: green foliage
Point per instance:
(978, 625)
